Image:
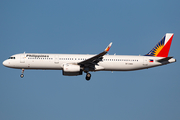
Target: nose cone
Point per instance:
(5, 63)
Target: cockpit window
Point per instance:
(11, 58)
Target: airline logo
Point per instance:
(162, 47)
(108, 47)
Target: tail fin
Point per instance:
(162, 47)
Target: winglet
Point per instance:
(108, 47)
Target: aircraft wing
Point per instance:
(95, 59)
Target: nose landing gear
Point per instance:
(22, 75)
(88, 76)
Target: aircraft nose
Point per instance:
(5, 63)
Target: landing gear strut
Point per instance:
(88, 76)
(22, 75)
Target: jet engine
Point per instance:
(71, 70)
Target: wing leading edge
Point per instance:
(95, 59)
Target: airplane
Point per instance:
(76, 64)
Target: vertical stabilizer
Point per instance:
(162, 47)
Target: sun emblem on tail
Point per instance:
(159, 46)
(158, 49)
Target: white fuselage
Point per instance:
(76, 64)
(108, 63)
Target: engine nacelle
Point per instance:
(71, 70)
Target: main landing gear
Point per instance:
(88, 76)
(22, 75)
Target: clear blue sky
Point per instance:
(87, 27)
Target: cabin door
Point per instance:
(145, 63)
(22, 58)
(56, 59)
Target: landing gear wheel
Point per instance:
(22, 75)
(88, 76)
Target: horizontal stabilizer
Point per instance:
(164, 59)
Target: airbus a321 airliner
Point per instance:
(76, 64)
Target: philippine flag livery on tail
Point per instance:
(163, 46)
